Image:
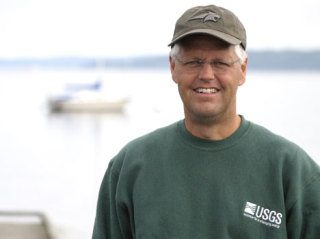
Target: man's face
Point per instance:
(208, 91)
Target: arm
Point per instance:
(303, 217)
(107, 223)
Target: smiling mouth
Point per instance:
(206, 90)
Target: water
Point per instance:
(54, 162)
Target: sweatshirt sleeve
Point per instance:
(303, 218)
(110, 222)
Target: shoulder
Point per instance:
(294, 161)
(158, 136)
(300, 174)
(270, 140)
(151, 143)
(280, 151)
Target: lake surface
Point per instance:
(54, 163)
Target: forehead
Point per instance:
(204, 44)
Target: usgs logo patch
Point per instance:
(263, 215)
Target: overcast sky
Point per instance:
(104, 28)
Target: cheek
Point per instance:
(180, 78)
(184, 89)
(241, 79)
(243, 74)
(236, 79)
(175, 75)
(181, 89)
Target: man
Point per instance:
(213, 174)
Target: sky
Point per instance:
(105, 28)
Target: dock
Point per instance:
(23, 225)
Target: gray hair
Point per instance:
(239, 51)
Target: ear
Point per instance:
(243, 72)
(172, 68)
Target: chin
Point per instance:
(203, 117)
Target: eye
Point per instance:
(219, 63)
(193, 63)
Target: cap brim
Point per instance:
(225, 37)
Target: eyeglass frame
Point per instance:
(195, 64)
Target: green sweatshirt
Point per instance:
(171, 185)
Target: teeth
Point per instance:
(206, 90)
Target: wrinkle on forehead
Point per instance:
(207, 47)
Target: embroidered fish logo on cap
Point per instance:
(209, 16)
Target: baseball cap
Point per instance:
(213, 20)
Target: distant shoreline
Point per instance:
(258, 60)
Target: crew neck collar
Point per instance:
(206, 144)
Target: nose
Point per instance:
(207, 72)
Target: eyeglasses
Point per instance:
(195, 65)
